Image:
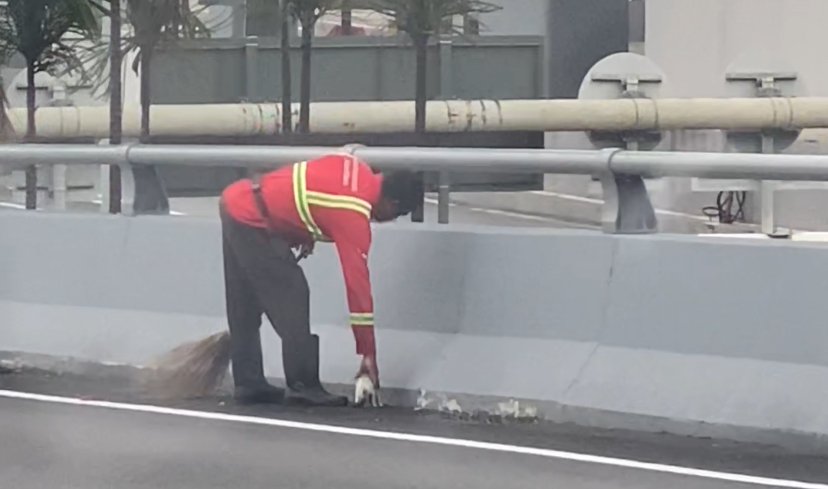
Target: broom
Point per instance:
(191, 370)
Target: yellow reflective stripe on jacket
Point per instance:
(304, 198)
(300, 196)
(339, 202)
(362, 319)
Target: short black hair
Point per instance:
(406, 188)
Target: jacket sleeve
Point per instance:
(352, 237)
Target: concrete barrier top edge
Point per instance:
(470, 229)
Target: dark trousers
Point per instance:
(261, 276)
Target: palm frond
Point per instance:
(38, 29)
(94, 63)
(152, 23)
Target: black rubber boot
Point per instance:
(301, 364)
(264, 394)
(248, 372)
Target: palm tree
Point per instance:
(116, 110)
(420, 20)
(38, 30)
(153, 23)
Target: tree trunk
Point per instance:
(115, 105)
(150, 196)
(347, 18)
(420, 98)
(146, 100)
(31, 133)
(305, 88)
(287, 80)
(420, 93)
(186, 13)
(176, 20)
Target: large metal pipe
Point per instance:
(444, 116)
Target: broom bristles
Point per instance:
(193, 369)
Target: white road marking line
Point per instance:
(12, 205)
(590, 200)
(435, 440)
(172, 212)
(518, 215)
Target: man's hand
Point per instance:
(367, 383)
(369, 368)
(305, 250)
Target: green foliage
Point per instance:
(156, 21)
(38, 29)
(425, 18)
(153, 23)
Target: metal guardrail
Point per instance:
(627, 206)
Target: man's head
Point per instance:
(402, 193)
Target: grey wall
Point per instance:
(694, 40)
(638, 21)
(579, 34)
(374, 68)
(703, 335)
(515, 18)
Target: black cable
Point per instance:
(723, 209)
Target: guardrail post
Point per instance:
(627, 206)
(121, 175)
(128, 187)
(766, 190)
(149, 196)
(59, 187)
(443, 193)
(446, 93)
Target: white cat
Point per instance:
(364, 392)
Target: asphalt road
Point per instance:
(47, 445)
(51, 444)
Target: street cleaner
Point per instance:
(330, 199)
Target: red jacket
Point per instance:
(333, 203)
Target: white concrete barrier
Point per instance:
(721, 337)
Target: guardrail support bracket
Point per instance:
(627, 206)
